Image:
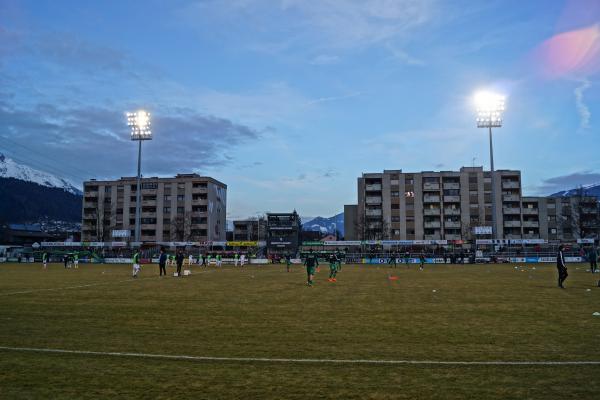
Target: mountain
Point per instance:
(11, 169)
(588, 190)
(326, 225)
(22, 201)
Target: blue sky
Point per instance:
(289, 101)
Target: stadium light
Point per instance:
(490, 107)
(139, 122)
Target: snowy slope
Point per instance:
(11, 169)
(326, 225)
(588, 190)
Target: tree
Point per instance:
(181, 227)
(371, 230)
(580, 217)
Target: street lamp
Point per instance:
(139, 122)
(490, 107)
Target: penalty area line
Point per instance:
(290, 360)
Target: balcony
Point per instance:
(432, 224)
(452, 185)
(511, 210)
(451, 211)
(431, 199)
(436, 236)
(431, 211)
(452, 224)
(530, 211)
(431, 186)
(531, 224)
(373, 213)
(373, 187)
(510, 197)
(451, 199)
(512, 224)
(510, 185)
(373, 200)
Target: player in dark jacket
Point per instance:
(179, 260)
(162, 262)
(561, 266)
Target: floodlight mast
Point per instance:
(490, 107)
(139, 122)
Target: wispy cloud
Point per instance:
(567, 182)
(582, 108)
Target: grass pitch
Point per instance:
(444, 313)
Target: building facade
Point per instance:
(250, 230)
(187, 207)
(457, 205)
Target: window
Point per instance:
(148, 209)
(198, 220)
(167, 197)
(551, 218)
(199, 185)
(395, 194)
(396, 232)
(409, 181)
(395, 206)
(410, 218)
(148, 220)
(132, 210)
(198, 208)
(395, 218)
(119, 211)
(107, 189)
(552, 206)
(180, 210)
(167, 210)
(181, 185)
(553, 231)
(199, 196)
(410, 207)
(148, 232)
(150, 185)
(133, 199)
(149, 198)
(180, 197)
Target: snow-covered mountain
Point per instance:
(587, 190)
(326, 225)
(11, 169)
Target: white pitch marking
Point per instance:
(292, 360)
(73, 287)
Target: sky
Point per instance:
(289, 101)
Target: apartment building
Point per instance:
(187, 207)
(457, 205)
(431, 205)
(560, 218)
(250, 230)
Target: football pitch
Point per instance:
(448, 332)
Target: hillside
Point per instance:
(22, 201)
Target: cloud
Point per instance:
(582, 108)
(334, 24)
(94, 141)
(404, 57)
(324, 59)
(570, 181)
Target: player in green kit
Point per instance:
(332, 268)
(288, 261)
(311, 262)
(136, 264)
(76, 260)
(45, 260)
(422, 262)
(338, 257)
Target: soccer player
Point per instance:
(136, 264)
(162, 263)
(219, 260)
(242, 260)
(332, 268)
(66, 260)
(236, 259)
(393, 260)
(407, 258)
(190, 260)
(76, 260)
(45, 260)
(179, 260)
(208, 257)
(422, 262)
(561, 266)
(311, 262)
(204, 260)
(338, 257)
(288, 261)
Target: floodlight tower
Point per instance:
(139, 122)
(490, 107)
